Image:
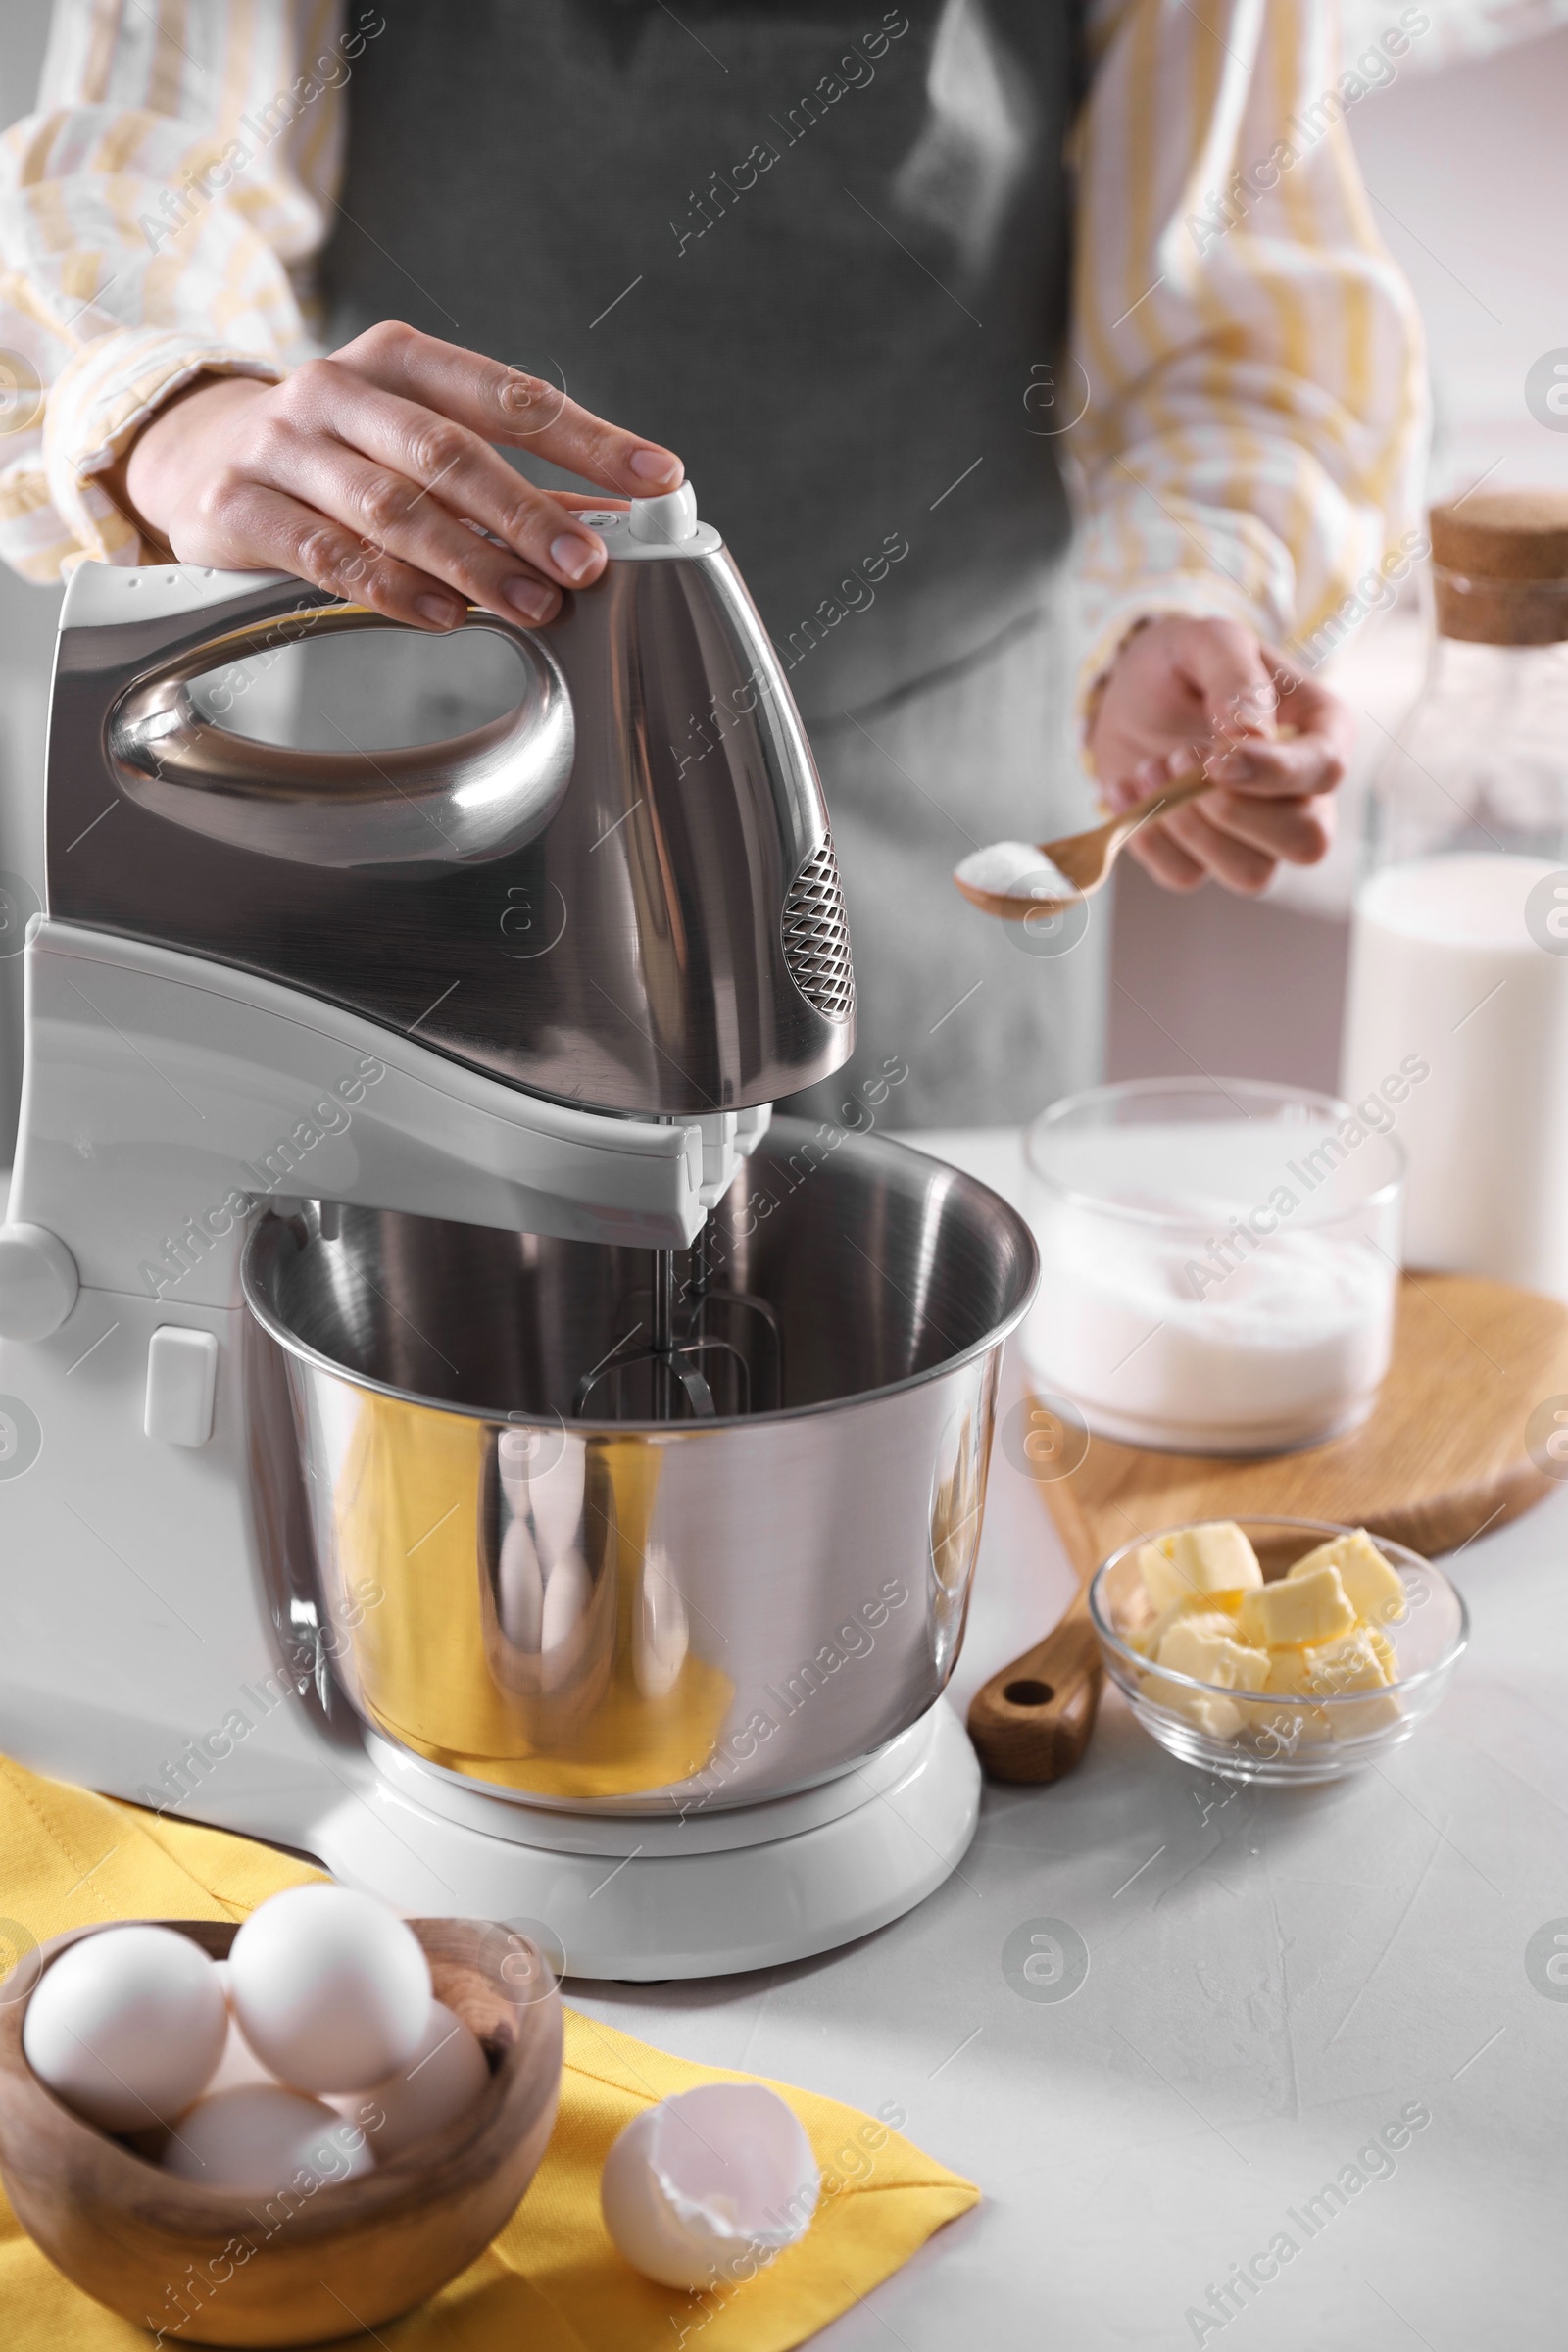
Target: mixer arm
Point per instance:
(166, 1096)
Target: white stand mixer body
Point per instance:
(165, 1098)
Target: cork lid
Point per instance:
(1504, 535)
(1501, 566)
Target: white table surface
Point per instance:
(1273, 1975)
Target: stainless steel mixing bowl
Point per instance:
(640, 1616)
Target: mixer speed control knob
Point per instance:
(669, 519)
(38, 1282)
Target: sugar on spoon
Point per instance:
(1015, 880)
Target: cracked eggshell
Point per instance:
(706, 2178)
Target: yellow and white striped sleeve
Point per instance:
(1251, 357)
(159, 212)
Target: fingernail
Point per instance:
(530, 599)
(657, 465)
(572, 555)
(440, 610)
(1237, 767)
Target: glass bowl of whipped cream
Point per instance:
(1219, 1261)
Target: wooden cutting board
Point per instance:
(1450, 1449)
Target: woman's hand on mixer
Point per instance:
(1184, 694)
(372, 474)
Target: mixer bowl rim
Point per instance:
(261, 1235)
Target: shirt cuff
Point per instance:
(98, 405)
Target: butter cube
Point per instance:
(1291, 1725)
(1147, 1637)
(1216, 1557)
(1387, 1656)
(1203, 1644)
(1220, 1718)
(1352, 1665)
(1334, 1670)
(1298, 1610)
(1372, 1585)
(1289, 1672)
(1206, 1649)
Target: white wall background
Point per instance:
(1467, 162)
(1469, 175)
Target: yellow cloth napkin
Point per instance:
(552, 2281)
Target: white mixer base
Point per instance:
(806, 1885)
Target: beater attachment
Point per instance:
(712, 1353)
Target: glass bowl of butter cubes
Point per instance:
(1277, 1649)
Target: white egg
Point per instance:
(126, 2025)
(256, 2139)
(445, 2075)
(697, 2188)
(330, 1989)
(239, 2065)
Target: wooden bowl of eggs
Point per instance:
(281, 2133)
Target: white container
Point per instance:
(1459, 948)
(1219, 1261)
(1455, 972)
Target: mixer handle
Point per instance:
(479, 796)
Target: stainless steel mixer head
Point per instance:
(623, 894)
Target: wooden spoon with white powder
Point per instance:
(1014, 880)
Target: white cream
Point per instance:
(1014, 869)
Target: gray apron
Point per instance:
(824, 258)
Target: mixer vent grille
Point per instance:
(816, 937)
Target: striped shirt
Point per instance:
(1244, 389)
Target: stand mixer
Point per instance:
(444, 1426)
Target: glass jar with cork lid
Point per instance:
(1457, 1012)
